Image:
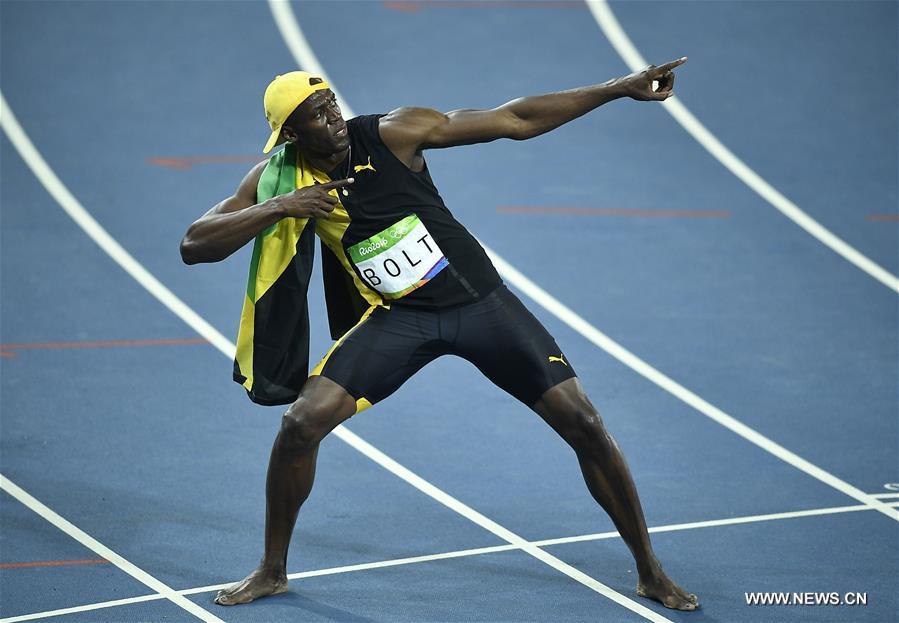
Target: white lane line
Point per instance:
(488, 524)
(613, 31)
(96, 546)
(713, 523)
(305, 57)
(93, 229)
(293, 35)
(366, 566)
(292, 576)
(108, 244)
(100, 605)
(457, 554)
(576, 322)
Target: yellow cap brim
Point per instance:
(273, 140)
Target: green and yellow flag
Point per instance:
(272, 358)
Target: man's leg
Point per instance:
(510, 346)
(372, 360)
(569, 412)
(322, 405)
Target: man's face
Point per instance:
(317, 125)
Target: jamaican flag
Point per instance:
(272, 360)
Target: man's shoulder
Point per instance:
(410, 125)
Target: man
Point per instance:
(428, 286)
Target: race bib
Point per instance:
(399, 259)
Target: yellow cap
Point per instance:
(282, 96)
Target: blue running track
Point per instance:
(123, 420)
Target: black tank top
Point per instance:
(401, 239)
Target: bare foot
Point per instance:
(660, 588)
(257, 584)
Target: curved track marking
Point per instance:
(464, 553)
(94, 545)
(305, 57)
(95, 231)
(90, 226)
(632, 361)
(613, 31)
(290, 30)
(107, 243)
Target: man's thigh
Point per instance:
(511, 347)
(380, 353)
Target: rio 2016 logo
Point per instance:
(398, 232)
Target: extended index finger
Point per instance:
(669, 66)
(336, 184)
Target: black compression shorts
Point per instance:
(497, 334)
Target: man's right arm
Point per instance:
(238, 219)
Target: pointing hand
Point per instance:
(653, 83)
(311, 201)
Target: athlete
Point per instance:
(428, 287)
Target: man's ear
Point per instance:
(289, 135)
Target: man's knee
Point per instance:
(584, 429)
(314, 414)
(300, 430)
(567, 409)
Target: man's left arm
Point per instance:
(407, 131)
